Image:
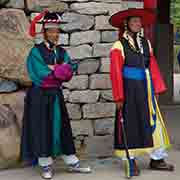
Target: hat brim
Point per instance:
(61, 22)
(147, 16)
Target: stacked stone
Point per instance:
(88, 37)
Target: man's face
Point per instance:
(52, 35)
(135, 24)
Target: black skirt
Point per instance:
(136, 117)
(37, 135)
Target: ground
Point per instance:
(104, 169)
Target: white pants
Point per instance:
(159, 154)
(155, 155)
(68, 159)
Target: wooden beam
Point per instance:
(150, 4)
(163, 11)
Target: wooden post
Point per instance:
(164, 54)
(164, 48)
(161, 36)
(150, 30)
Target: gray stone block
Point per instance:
(87, 96)
(98, 110)
(78, 38)
(77, 82)
(80, 52)
(102, 49)
(100, 81)
(74, 111)
(88, 66)
(76, 22)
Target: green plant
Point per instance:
(175, 12)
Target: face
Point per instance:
(135, 24)
(52, 35)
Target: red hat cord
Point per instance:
(32, 28)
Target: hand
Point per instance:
(119, 105)
(51, 67)
(157, 97)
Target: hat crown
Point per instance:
(147, 16)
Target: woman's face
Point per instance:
(52, 35)
(135, 24)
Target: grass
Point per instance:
(176, 64)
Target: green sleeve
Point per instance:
(37, 69)
(68, 60)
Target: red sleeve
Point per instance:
(158, 82)
(116, 66)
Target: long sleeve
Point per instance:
(37, 69)
(116, 65)
(51, 81)
(158, 81)
(39, 72)
(63, 72)
(68, 60)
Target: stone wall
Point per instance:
(88, 37)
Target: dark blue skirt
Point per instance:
(37, 135)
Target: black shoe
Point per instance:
(160, 165)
